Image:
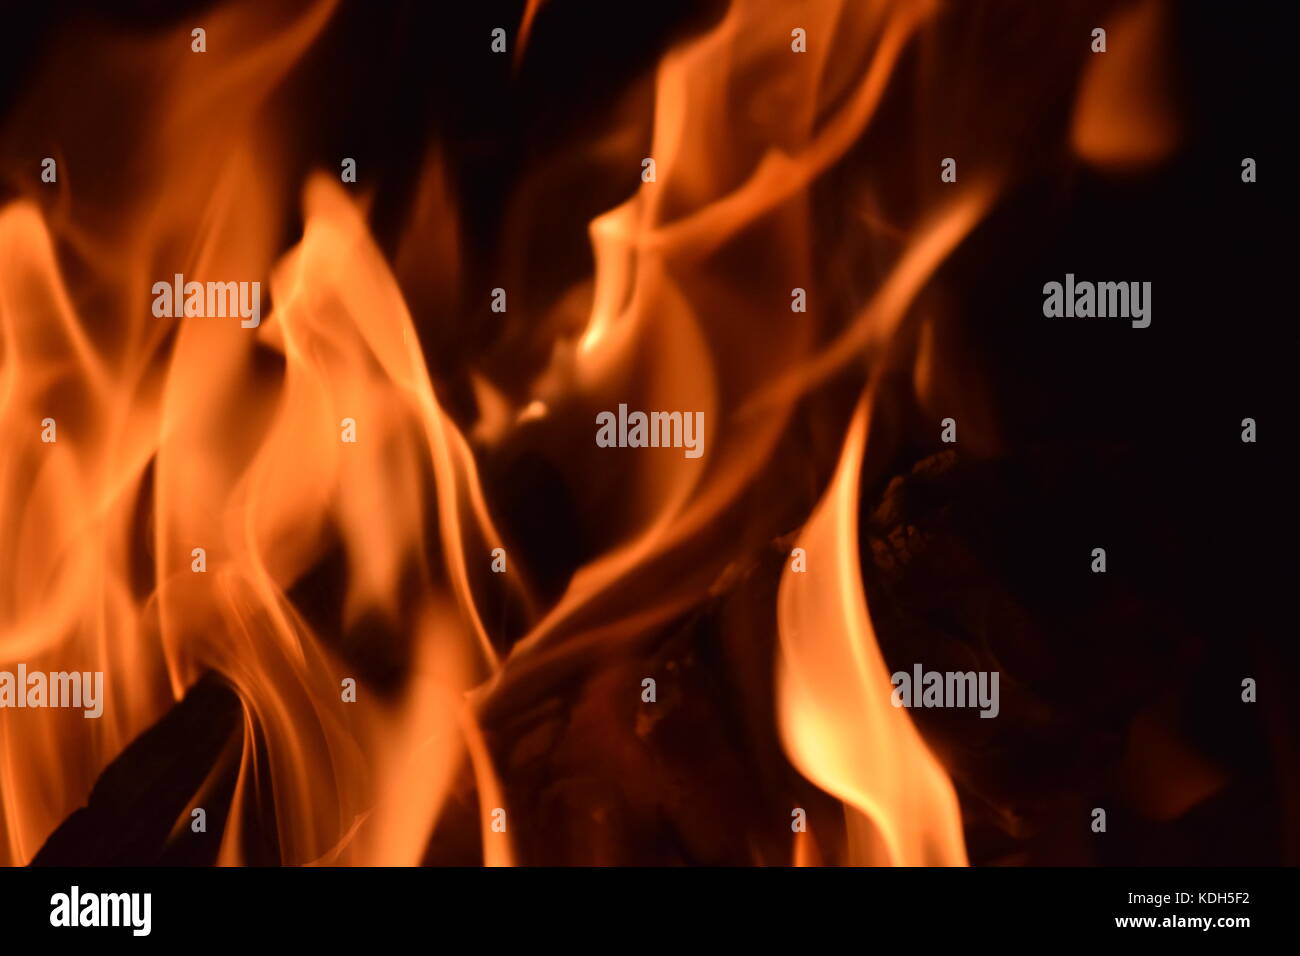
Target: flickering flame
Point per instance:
(649, 275)
(526, 27)
(837, 720)
(176, 434)
(1124, 116)
(246, 462)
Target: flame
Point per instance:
(645, 325)
(176, 434)
(1124, 116)
(837, 721)
(531, 9)
(230, 441)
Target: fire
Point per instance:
(229, 454)
(1124, 117)
(837, 721)
(204, 474)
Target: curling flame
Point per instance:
(230, 441)
(836, 718)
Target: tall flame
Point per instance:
(230, 449)
(837, 721)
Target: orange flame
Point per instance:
(1124, 116)
(195, 433)
(837, 721)
(232, 456)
